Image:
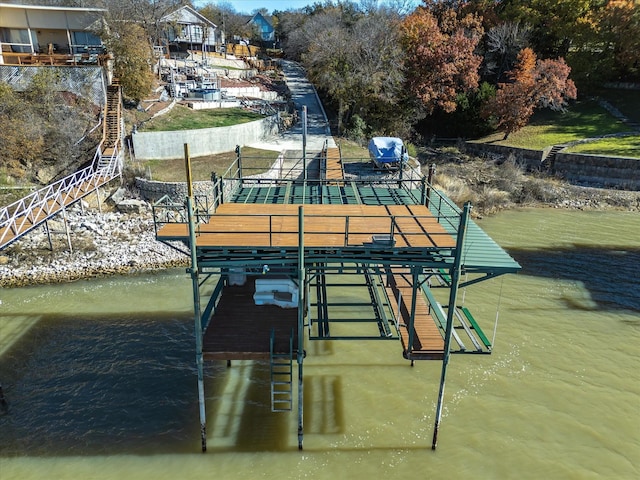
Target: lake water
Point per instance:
(101, 381)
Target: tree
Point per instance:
(41, 129)
(555, 24)
(533, 84)
(133, 58)
(356, 59)
(145, 13)
(620, 27)
(440, 56)
(502, 45)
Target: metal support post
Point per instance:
(66, 228)
(301, 304)
(453, 293)
(239, 160)
(46, 227)
(412, 316)
(304, 142)
(195, 281)
(99, 200)
(432, 172)
(423, 192)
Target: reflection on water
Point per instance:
(79, 383)
(101, 379)
(609, 274)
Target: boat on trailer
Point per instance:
(387, 152)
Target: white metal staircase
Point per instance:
(26, 214)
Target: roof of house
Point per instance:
(50, 8)
(187, 15)
(259, 18)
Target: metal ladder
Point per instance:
(281, 367)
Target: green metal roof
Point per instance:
(481, 254)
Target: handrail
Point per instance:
(391, 227)
(40, 205)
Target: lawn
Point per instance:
(253, 161)
(584, 119)
(621, 147)
(351, 150)
(184, 118)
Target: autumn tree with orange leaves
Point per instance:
(440, 54)
(533, 84)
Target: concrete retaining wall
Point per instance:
(204, 141)
(609, 172)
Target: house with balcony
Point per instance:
(186, 29)
(49, 35)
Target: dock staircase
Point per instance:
(32, 211)
(112, 126)
(281, 369)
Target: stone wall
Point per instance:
(609, 172)
(592, 170)
(153, 191)
(529, 159)
(203, 141)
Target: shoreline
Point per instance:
(104, 244)
(114, 243)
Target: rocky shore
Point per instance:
(109, 243)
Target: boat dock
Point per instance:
(278, 255)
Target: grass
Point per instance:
(352, 150)
(184, 118)
(585, 119)
(621, 147)
(253, 161)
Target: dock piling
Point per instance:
(453, 293)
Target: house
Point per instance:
(32, 29)
(265, 29)
(186, 29)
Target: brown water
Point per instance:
(101, 380)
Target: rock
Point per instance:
(118, 196)
(131, 206)
(92, 227)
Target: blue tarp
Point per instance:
(387, 150)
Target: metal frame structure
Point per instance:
(381, 260)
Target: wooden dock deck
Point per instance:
(241, 330)
(276, 225)
(428, 342)
(333, 166)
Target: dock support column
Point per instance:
(195, 281)
(412, 315)
(453, 293)
(301, 304)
